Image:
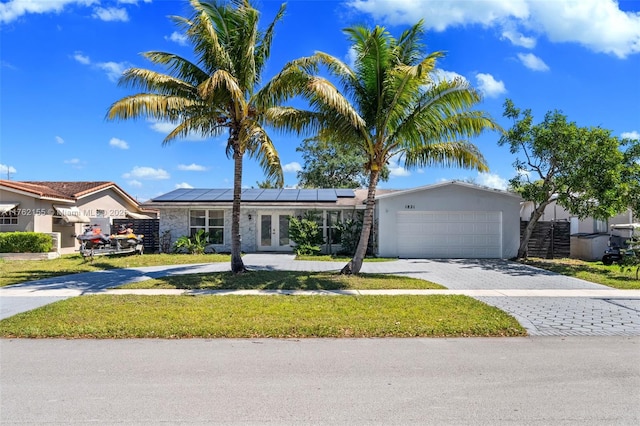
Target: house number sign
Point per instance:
(410, 206)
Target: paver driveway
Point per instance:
(544, 302)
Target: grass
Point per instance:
(17, 271)
(132, 316)
(612, 276)
(283, 280)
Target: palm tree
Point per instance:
(392, 105)
(215, 93)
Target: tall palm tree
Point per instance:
(215, 93)
(391, 105)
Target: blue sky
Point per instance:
(60, 61)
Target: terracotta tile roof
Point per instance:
(62, 190)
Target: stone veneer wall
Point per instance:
(176, 221)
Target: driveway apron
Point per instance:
(545, 303)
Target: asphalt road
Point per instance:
(475, 381)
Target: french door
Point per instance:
(273, 231)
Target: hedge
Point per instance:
(25, 242)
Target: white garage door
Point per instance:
(454, 235)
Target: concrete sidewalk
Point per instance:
(544, 302)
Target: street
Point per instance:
(524, 381)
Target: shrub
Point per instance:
(192, 245)
(306, 233)
(25, 242)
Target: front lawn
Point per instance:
(17, 271)
(596, 272)
(134, 316)
(283, 280)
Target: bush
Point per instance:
(191, 245)
(306, 233)
(25, 242)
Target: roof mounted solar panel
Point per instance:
(327, 195)
(288, 195)
(308, 195)
(345, 193)
(210, 195)
(170, 196)
(251, 194)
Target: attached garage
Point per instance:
(448, 220)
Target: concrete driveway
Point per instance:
(545, 303)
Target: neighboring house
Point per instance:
(589, 236)
(451, 219)
(63, 208)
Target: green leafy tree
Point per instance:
(329, 164)
(583, 167)
(389, 104)
(214, 94)
(306, 233)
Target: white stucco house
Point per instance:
(444, 220)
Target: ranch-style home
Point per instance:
(444, 220)
(63, 208)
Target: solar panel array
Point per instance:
(258, 195)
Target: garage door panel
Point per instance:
(449, 234)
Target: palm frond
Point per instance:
(460, 154)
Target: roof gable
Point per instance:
(449, 183)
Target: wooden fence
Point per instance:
(150, 228)
(549, 239)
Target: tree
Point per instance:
(329, 164)
(391, 105)
(214, 94)
(583, 169)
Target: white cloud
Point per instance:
(192, 167)
(78, 56)
(146, 173)
(490, 86)
(176, 37)
(135, 183)
(110, 14)
(396, 170)
(59, 140)
(162, 127)
(439, 15)
(517, 39)
(4, 170)
(72, 161)
(113, 69)
(598, 25)
(14, 9)
(183, 185)
(440, 74)
(118, 143)
(532, 62)
(292, 167)
(75, 163)
(631, 135)
(492, 180)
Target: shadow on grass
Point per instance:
(579, 269)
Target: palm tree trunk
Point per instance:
(354, 266)
(237, 266)
(528, 231)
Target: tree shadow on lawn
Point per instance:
(263, 280)
(613, 272)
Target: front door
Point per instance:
(273, 231)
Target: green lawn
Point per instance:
(132, 316)
(17, 271)
(345, 259)
(284, 280)
(612, 276)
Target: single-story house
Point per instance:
(450, 219)
(589, 237)
(63, 208)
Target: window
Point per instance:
(211, 221)
(331, 232)
(9, 217)
(601, 226)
